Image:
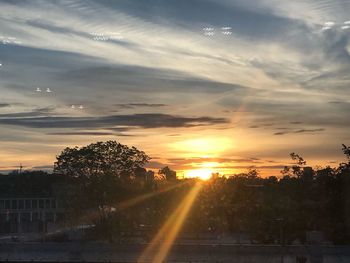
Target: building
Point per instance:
(30, 215)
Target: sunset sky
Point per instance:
(196, 84)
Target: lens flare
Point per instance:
(93, 215)
(159, 247)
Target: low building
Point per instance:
(30, 215)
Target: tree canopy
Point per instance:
(101, 158)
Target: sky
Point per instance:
(199, 85)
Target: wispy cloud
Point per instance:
(278, 69)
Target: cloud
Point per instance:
(142, 79)
(309, 130)
(133, 120)
(210, 160)
(140, 105)
(219, 163)
(118, 129)
(84, 133)
(43, 167)
(295, 122)
(245, 22)
(257, 167)
(34, 113)
(285, 71)
(300, 131)
(280, 133)
(69, 31)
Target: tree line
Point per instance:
(106, 185)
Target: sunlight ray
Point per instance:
(161, 244)
(91, 216)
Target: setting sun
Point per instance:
(203, 174)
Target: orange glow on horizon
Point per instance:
(203, 147)
(204, 173)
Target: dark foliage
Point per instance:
(127, 201)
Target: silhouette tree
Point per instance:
(296, 157)
(296, 169)
(100, 172)
(101, 158)
(346, 150)
(168, 173)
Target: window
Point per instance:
(25, 217)
(13, 217)
(47, 203)
(14, 204)
(21, 204)
(28, 204)
(49, 217)
(35, 216)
